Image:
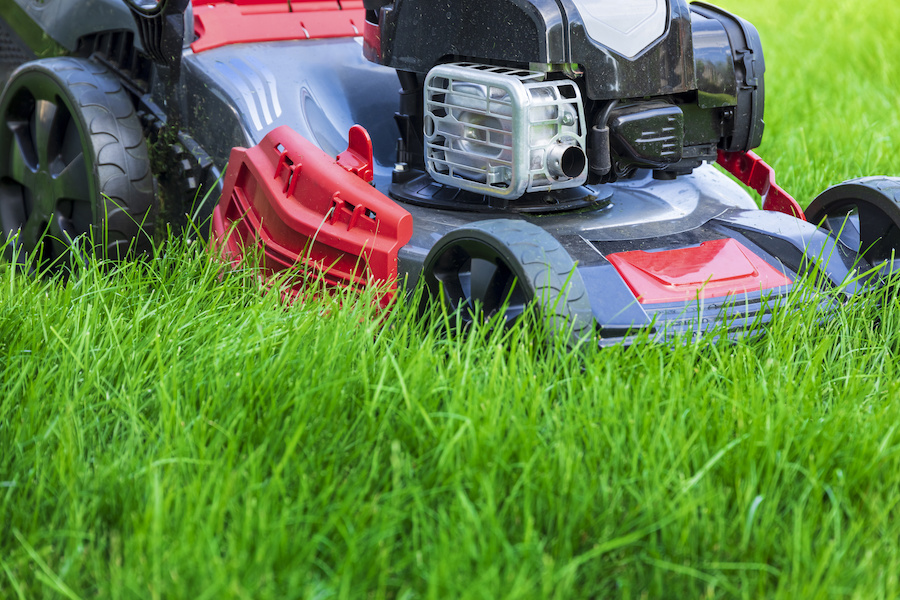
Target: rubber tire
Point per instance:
(120, 181)
(543, 271)
(877, 200)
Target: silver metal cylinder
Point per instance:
(565, 160)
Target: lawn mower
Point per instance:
(505, 153)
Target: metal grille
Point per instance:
(490, 128)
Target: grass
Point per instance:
(832, 81)
(167, 431)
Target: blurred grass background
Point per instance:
(167, 433)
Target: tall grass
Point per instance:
(168, 430)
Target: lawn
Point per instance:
(167, 432)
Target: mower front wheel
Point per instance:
(864, 214)
(500, 267)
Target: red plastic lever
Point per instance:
(753, 172)
(358, 158)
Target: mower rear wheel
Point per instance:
(73, 162)
(864, 214)
(500, 267)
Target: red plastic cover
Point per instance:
(221, 22)
(291, 204)
(713, 269)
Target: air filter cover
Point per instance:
(502, 131)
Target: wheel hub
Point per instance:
(44, 194)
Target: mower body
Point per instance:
(249, 109)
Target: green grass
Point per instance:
(168, 431)
(832, 90)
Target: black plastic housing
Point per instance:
(744, 52)
(162, 29)
(418, 34)
(651, 133)
(698, 87)
(666, 67)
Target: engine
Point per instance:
(507, 98)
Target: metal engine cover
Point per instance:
(502, 131)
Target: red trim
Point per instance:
(358, 157)
(753, 172)
(221, 22)
(372, 41)
(713, 269)
(291, 204)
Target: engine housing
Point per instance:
(662, 84)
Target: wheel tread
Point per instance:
(549, 272)
(122, 162)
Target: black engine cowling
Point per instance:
(664, 84)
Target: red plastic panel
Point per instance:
(753, 172)
(291, 204)
(221, 22)
(712, 269)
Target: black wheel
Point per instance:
(501, 266)
(73, 161)
(864, 214)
